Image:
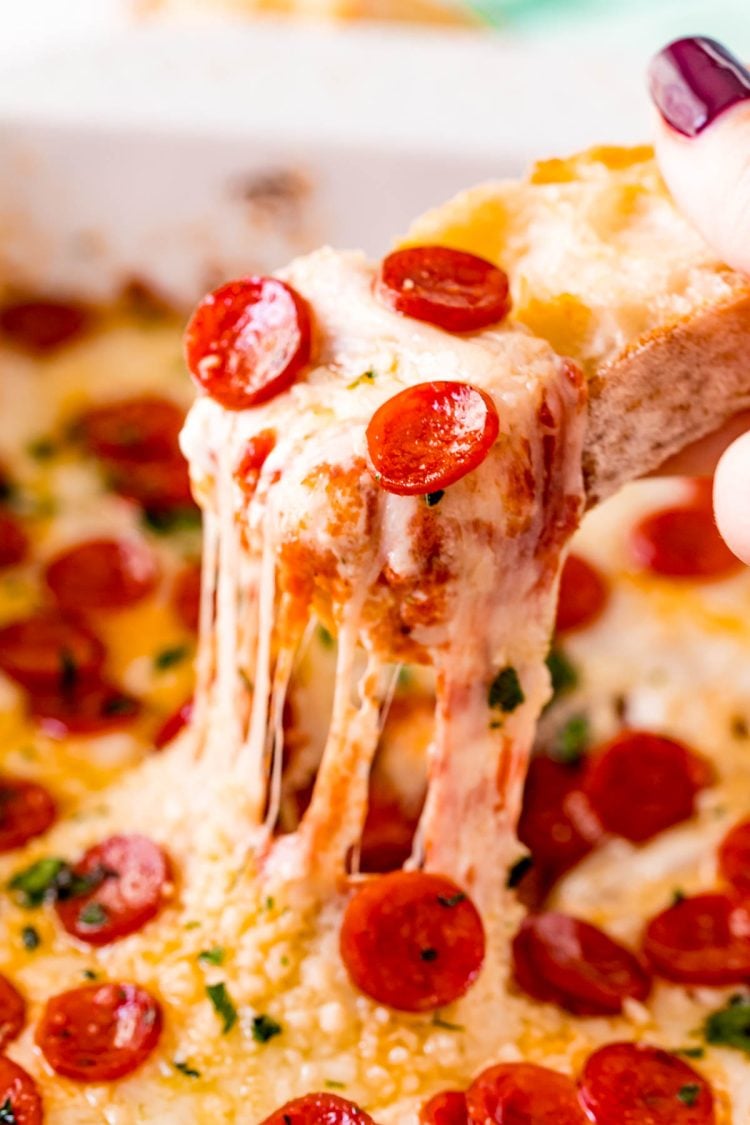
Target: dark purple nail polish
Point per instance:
(693, 81)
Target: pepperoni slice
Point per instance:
(99, 1032)
(457, 291)
(253, 459)
(734, 857)
(172, 726)
(19, 1089)
(567, 962)
(41, 326)
(157, 486)
(448, 1108)
(635, 1084)
(12, 1012)
(319, 1109)
(127, 877)
(84, 709)
(557, 824)
(186, 596)
(103, 574)
(48, 650)
(682, 542)
(640, 784)
(132, 430)
(704, 939)
(14, 543)
(430, 435)
(583, 595)
(523, 1094)
(248, 340)
(388, 834)
(26, 810)
(412, 941)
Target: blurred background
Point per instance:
(192, 139)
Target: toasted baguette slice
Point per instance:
(606, 269)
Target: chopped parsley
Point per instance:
(692, 1052)
(562, 673)
(730, 1025)
(689, 1093)
(516, 873)
(572, 740)
(223, 1006)
(119, 705)
(169, 521)
(30, 938)
(68, 671)
(332, 1084)
(41, 449)
(93, 914)
(37, 883)
(365, 377)
(7, 1116)
(678, 896)
(168, 657)
(265, 1028)
(505, 692)
(89, 974)
(428, 953)
(325, 637)
(433, 498)
(446, 1025)
(185, 1068)
(213, 956)
(451, 900)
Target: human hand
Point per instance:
(703, 146)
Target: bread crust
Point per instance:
(665, 390)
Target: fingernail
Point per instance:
(693, 81)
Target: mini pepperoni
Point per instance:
(14, 543)
(734, 857)
(12, 1012)
(640, 784)
(48, 650)
(635, 1084)
(704, 939)
(448, 1108)
(567, 962)
(450, 288)
(388, 835)
(583, 595)
(85, 709)
(319, 1109)
(99, 1032)
(248, 340)
(41, 326)
(26, 810)
(557, 824)
(103, 574)
(412, 940)
(523, 1094)
(19, 1089)
(253, 459)
(128, 877)
(172, 726)
(157, 486)
(186, 596)
(141, 429)
(431, 435)
(682, 542)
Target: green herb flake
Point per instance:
(332, 1084)
(89, 974)
(41, 449)
(691, 1052)
(185, 1068)
(325, 637)
(169, 657)
(572, 741)
(433, 498)
(505, 692)
(730, 1025)
(37, 883)
(364, 378)
(450, 901)
(30, 938)
(68, 671)
(270, 903)
(563, 675)
(265, 1028)
(213, 956)
(516, 873)
(223, 1006)
(689, 1093)
(168, 522)
(93, 914)
(446, 1025)
(678, 896)
(428, 954)
(7, 1116)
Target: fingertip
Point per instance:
(732, 497)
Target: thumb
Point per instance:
(702, 93)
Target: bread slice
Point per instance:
(605, 268)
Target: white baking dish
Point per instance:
(188, 153)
